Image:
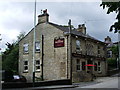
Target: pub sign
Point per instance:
(59, 42)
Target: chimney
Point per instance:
(44, 17)
(107, 40)
(82, 28)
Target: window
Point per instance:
(37, 46)
(78, 64)
(109, 54)
(99, 66)
(77, 45)
(25, 66)
(25, 47)
(83, 66)
(98, 49)
(95, 68)
(37, 65)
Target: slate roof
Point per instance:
(66, 29)
(74, 32)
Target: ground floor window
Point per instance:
(25, 65)
(78, 64)
(83, 66)
(95, 68)
(37, 65)
(99, 66)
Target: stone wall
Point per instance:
(55, 59)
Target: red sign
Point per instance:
(59, 43)
(89, 65)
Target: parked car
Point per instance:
(19, 78)
(8, 76)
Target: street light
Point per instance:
(34, 36)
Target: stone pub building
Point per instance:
(61, 52)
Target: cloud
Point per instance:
(17, 17)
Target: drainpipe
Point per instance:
(67, 56)
(119, 49)
(42, 57)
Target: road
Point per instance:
(111, 83)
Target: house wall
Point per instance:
(92, 55)
(55, 59)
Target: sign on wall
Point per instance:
(58, 42)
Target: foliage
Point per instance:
(111, 61)
(113, 7)
(10, 56)
(115, 51)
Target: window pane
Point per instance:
(99, 63)
(25, 47)
(25, 67)
(37, 46)
(95, 68)
(77, 44)
(37, 65)
(98, 68)
(78, 67)
(83, 66)
(37, 62)
(78, 61)
(25, 62)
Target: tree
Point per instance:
(113, 7)
(11, 55)
(115, 51)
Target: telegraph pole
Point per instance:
(119, 49)
(70, 52)
(34, 36)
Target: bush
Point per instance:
(112, 63)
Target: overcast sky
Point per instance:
(16, 17)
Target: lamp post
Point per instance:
(34, 36)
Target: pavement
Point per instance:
(74, 85)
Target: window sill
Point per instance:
(37, 51)
(26, 52)
(37, 71)
(25, 71)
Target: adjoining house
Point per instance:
(112, 53)
(60, 52)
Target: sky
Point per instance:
(16, 17)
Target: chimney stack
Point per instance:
(43, 17)
(82, 28)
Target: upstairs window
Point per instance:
(37, 46)
(98, 49)
(109, 54)
(25, 48)
(37, 65)
(77, 45)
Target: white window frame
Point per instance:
(99, 67)
(25, 65)
(37, 65)
(25, 47)
(37, 46)
(77, 44)
(99, 50)
(78, 64)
